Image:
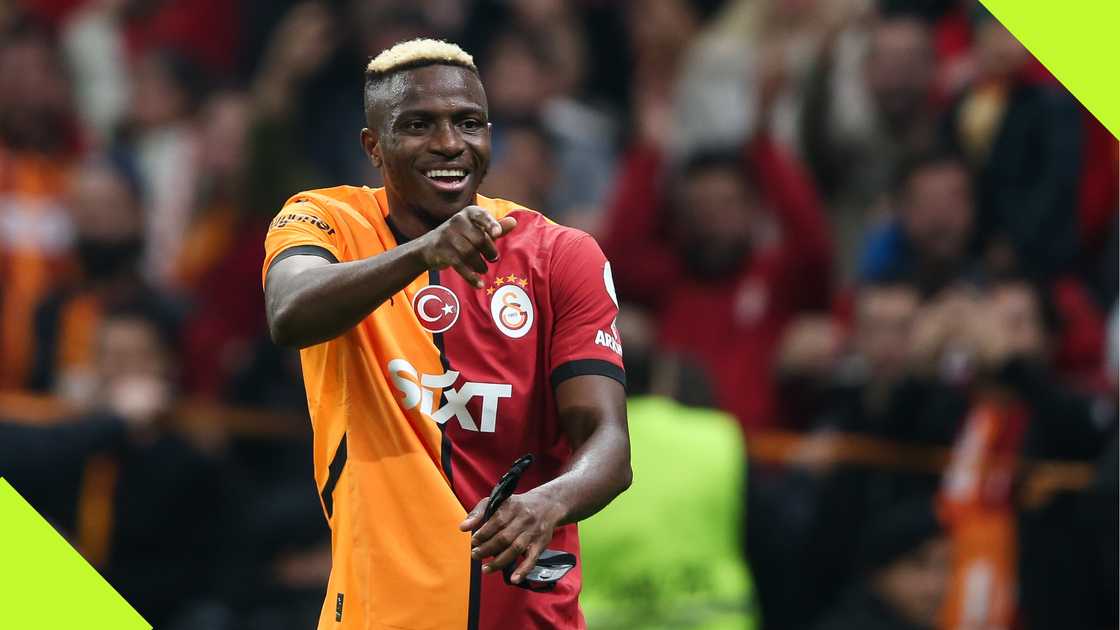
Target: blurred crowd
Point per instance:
(882, 226)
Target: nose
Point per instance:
(447, 141)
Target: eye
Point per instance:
(471, 124)
(415, 125)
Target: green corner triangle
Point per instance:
(1076, 41)
(45, 584)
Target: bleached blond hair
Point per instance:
(415, 53)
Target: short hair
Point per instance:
(416, 53)
(407, 55)
(720, 157)
(911, 164)
(154, 312)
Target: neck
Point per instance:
(410, 220)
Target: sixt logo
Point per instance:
(421, 390)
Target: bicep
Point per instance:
(588, 403)
(283, 277)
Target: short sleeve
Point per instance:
(584, 304)
(301, 227)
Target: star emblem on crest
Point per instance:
(501, 281)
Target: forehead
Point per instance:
(434, 88)
(933, 176)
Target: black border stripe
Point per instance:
(337, 464)
(474, 595)
(584, 367)
(475, 604)
(445, 446)
(304, 250)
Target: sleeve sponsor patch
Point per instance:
(296, 217)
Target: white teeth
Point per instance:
(456, 172)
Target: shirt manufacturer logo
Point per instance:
(436, 307)
(510, 306)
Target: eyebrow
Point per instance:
(457, 111)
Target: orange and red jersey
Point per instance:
(421, 407)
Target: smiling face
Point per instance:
(430, 136)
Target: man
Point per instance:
(103, 200)
(36, 152)
(932, 241)
(1023, 140)
(863, 112)
(140, 500)
(736, 249)
(425, 385)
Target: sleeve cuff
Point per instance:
(584, 367)
(304, 250)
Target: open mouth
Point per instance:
(448, 179)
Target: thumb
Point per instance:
(474, 519)
(507, 224)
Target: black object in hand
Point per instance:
(551, 565)
(506, 485)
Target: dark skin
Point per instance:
(435, 117)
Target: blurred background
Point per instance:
(867, 253)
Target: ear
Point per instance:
(372, 146)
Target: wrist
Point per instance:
(555, 509)
(418, 252)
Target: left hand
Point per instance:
(522, 526)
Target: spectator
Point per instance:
(721, 285)
(37, 145)
(529, 75)
(160, 132)
(748, 70)
(870, 102)
(143, 504)
(1023, 142)
(815, 509)
(1016, 341)
(333, 41)
(524, 165)
(108, 218)
(905, 560)
(220, 243)
(1006, 334)
(932, 241)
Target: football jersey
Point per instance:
(421, 407)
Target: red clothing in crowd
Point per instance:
(207, 31)
(732, 326)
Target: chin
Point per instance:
(442, 209)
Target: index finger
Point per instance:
(475, 515)
(491, 527)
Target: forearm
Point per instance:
(598, 472)
(320, 303)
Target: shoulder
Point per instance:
(336, 198)
(347, 204)
(535, 229)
